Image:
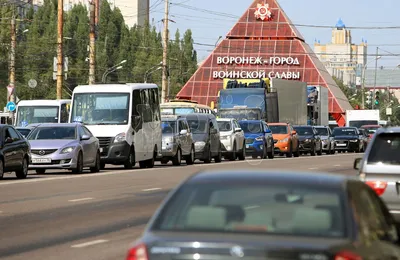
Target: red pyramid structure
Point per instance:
(263, 31)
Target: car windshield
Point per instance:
(385, 149)
(273, 208)
(36, 114)
(344, 131)
(251, 127)
(224, 126)
(24, 131)
(371, 130)
(53, 133)
(197, 126)
(278, 129)
(322, 131)
(304, 130)
(168, 127)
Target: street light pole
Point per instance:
(112, 69)
(376, 68)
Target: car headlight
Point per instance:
(120, 138)
(68, 149)
(260, 138)
(353, 141)
(307, 140)
(284, 140)
(199, 144)
(168, 140)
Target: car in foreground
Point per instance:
(232, 139)
(380, 167)
(269, 215)
(64, 146)
(14, 152)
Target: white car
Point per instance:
(232, 139)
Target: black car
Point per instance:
(310, 141)
(14, 152)
(269, 215)
(25, 131)
(348, 139)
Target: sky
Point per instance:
(214, 18)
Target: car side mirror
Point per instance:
(183, 132)
(8, 140)
(237, 130)
(294, 132)
(357, 164)
(85, 137)
(267, 131)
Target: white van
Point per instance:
(124, 117)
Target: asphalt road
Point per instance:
(96, 216)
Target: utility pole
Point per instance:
(12, 60)
(92, 46)
(164, 87)
(60, 58)
(376, 69)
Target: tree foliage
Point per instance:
(37, 47)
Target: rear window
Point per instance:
(265, 209)
(224, 126)
(385, 149)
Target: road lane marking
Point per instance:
(90, 243)
(312, 168)
(152, 169)
(336, 165)
(152, 189)
(83, 199)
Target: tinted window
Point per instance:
(385, 149)
(14, 135)
(344, 131)
(224, 126)
(52, 133)
(278, 129)
(198, 126)
(322, 131)
(24, 132)
(304, 130)
(268, 208)
(168, 127)
(251, 127)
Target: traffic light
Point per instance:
(377, 98)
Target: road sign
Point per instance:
(10, 89)
(11, 106)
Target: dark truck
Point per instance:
(248, 101)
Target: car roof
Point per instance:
(278, 123)
(59, 124)
(320, 179)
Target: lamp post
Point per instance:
(363, 83)
(149, 72)
(112, 69)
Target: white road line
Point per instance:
(152, 169)
(152, 189)
(90, 243)
(336, 165)
(312, 168)
(76, 200)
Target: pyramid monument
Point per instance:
(263, 43)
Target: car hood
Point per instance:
(280, 136)
(346, 137)
(252, 135)
(225, 133)
(304, 137)
(51, 144)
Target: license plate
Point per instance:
(101, 150)
(247, 146)
(341, 144)
(41, 160)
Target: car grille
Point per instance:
(104, 141)
(249, 140)
(44, 151)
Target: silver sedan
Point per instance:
(64, 146)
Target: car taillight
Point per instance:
(347, 256)
(378, 186)
(137, 253)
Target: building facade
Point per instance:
(264, 43)
(341, 57)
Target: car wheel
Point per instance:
(320, 150)
(79, 164)
(177, 158)
(233, 156)
(190, 158)
(218, 158)
(271, 154)
(290, 153)
(23, 172)
(131, 161)
(97, 166)
(1, 169)
(150, 162)
(242, 155)
(297, 153)
(313, 151)
(208, 158)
